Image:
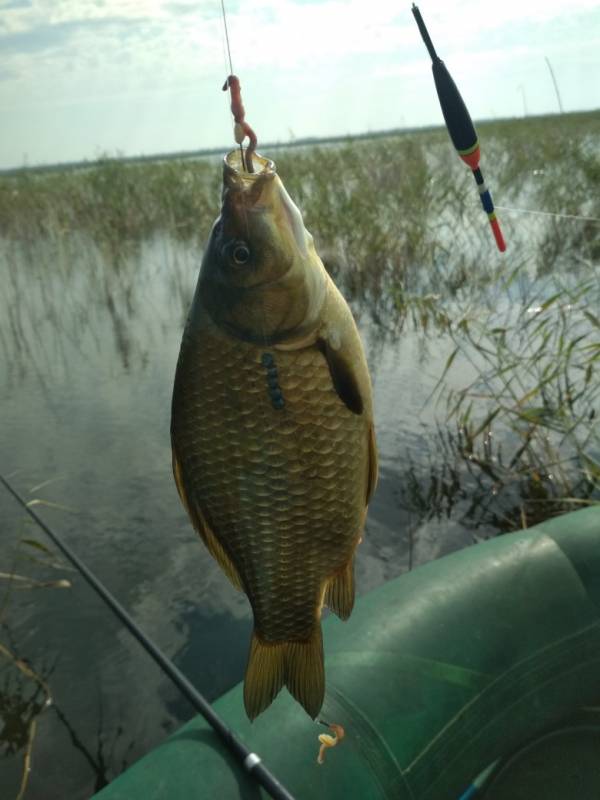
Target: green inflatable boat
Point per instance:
(475, 675)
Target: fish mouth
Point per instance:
(262, 192)
(236, 177)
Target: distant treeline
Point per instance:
(303, 142)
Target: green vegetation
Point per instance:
(397, 220)
(24, 692)
(524, 429)
(398, 223)
(111, 201)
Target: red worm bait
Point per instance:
(329, 741)
(241, 129)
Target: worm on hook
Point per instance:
(241, 129)
(329, 741)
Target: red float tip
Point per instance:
(498, 235)
(472, 159)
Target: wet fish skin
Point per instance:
(272, 430)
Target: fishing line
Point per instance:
(230, 69)
(250, 761)
(226, 36)
(549, 214)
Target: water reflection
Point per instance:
(66, 298)
(24, 694)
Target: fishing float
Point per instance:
(460, 127)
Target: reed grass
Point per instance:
(524, 429)
(25, 691)
(398, 223)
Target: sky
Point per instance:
(85, 78)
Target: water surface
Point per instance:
(89, 337)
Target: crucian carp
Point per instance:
(272, 433)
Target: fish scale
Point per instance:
(266, 478)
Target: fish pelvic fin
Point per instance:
(215, 548)
(297, 665)
(339, 594)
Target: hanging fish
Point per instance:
(272, 429)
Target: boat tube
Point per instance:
(474, 675)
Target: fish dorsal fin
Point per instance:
(215, 548)
(343, 377)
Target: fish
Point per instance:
(272, 431)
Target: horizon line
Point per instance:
(87, 163)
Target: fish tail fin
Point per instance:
(265, 674)
(298, 665)
(339, 595)
(305, 674)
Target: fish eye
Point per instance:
(240, 253)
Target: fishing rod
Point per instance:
(251, 762)
(460, 126)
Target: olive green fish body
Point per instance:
(275, 460)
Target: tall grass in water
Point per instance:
(398, 223)
(112, 201)
(536, 385)
(24, 691)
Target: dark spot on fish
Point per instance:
(273, 388)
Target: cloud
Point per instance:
(49, 36)
(183, 7)
(10, 5)
(137, 74)
(7, 74)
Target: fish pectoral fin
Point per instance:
(339, 594)
(297, 664)
(343, 377)
(215, 548)
(373, 466)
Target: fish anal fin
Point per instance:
(372, 464)
(215, 548)
(339, 594)
(343, 377)
(297, 665)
